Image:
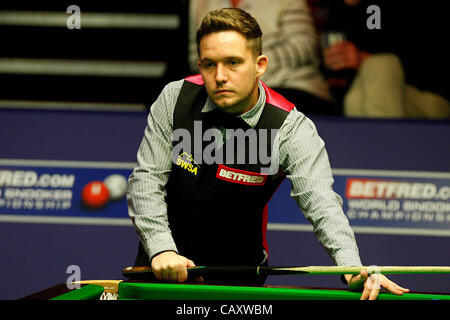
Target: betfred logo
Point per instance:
(240, 176)
(383, 189)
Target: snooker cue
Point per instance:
(146, 272)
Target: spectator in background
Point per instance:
(291, 43)
(399, 70)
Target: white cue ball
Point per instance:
(117, 186)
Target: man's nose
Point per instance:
(221, 73)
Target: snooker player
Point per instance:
(189, 210)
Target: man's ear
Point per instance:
(261, 65)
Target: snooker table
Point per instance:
(132, 290)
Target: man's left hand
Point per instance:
(371, 284)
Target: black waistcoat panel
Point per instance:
(218, 211)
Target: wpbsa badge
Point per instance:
(240, 176)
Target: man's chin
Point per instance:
(228, 108)
(225, 106)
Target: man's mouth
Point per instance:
(223, 91)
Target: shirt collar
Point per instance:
(251, 117)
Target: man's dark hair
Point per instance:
(232, 19)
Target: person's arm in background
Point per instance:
(296, 42)
(146, 190)
(197, 10)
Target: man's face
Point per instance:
(230, 71)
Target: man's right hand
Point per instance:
(170, 266)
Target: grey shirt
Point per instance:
(302, 156)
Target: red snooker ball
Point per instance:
(95, 195)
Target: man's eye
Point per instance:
(232, 62)
(208, 65)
